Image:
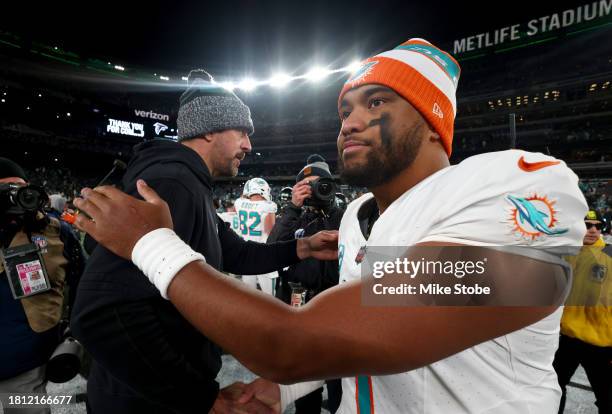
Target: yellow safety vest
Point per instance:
(588, 312)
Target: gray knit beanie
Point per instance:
(208, 107)
(315, 165)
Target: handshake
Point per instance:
(260, 397)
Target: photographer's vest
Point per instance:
(44, 310)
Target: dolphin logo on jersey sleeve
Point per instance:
(534, 216)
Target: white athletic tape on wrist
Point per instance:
(290, 393)
(160, 255)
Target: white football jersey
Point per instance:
(498, 199)
(251, 217)
(231, 217)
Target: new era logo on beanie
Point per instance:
(207, 107)
(424, 75)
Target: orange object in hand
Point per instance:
(69, 216)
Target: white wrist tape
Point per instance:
(160, 255)
(290, 393)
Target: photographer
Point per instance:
(312, 208)
(31, 285)
(284, 197)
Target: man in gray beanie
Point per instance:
(207, 107)
(215, 123)
(164, 364)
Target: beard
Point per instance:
(229, 168)
(396, 153)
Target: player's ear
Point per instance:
(208, 137)
(431, 134)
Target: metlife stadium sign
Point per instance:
(132, 129)
(585, 15)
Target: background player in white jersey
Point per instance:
(397, 114)
(230, 217)
(255, 215)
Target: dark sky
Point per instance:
(258, 37)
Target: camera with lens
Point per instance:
(65, 362)
(323, 193)
(18, 200)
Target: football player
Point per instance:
(397, 113)
(255, 215)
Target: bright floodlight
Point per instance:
(164, 78)
(228, 85)
(119, 67)
(353, 66)
(184, 78)
(247, 84)
(317, 73)
(279, 80)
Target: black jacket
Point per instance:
(314, 275)
(147, 357)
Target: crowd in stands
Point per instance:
(61, 180)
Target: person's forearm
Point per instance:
(334, 335)
(251, 258)
(248, 324)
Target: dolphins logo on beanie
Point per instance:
(207, 107)
(424, 75)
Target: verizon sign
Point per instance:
(151, 115)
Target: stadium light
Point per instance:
(165, 78)
(230, 86)
(184, 78)
(317, 73)
(121, 68)
(247, 85)
(353, 66)
(280, 80)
